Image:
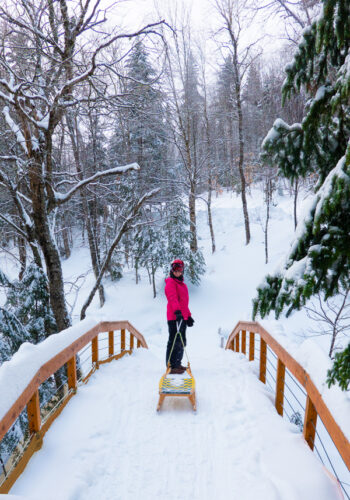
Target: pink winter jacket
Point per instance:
(177, 294)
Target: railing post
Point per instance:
(281, 371)
(251, 346)
(262, 375)
(122, 340)
(94, 349)
(72, 373)
(310, 419)
(138, 343)
(110, 344)
(33, 410)
(243, 341)
(131, 341)
(237, 342)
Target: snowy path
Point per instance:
(111, 444)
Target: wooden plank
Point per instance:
(106, 326)
(111, 343)
(33, 410)
(72, 373)
(244, 341)
(34, 445)
(94, 350)
(122, 340)
(262, 375)
(51, 366)
(341, 442)
(131, 341)
(115, 357)
(281, 371)
(251, 346)
(310, 421)
(138, 343)
(237, 342)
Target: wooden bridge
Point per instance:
(109, 341)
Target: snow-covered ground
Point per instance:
(109, 443)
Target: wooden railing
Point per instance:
(37, 427)
(315, 406)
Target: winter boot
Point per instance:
(178, 370)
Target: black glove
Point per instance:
(178, 315)
(190, 321)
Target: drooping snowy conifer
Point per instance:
(179, 241)
(29, 300)
(319, 258)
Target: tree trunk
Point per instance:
(193, 228)
(48, 246)
(66, 245)
(154, 282)
(268, 198)
(136, 271)
(334, 334)
(296, 186)
(210, 220)
(241, 162)
(73, 134)
(22, 250)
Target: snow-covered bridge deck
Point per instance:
(109, 443)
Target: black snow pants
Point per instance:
(178, 350)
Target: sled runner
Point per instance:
(177, 385)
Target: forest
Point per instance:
(110, 136)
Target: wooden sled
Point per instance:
(177, 386)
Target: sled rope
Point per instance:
(183, 345)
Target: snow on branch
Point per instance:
(9, 221)
(61, 198)
(123, 229)
(318, 257)
(15, 129)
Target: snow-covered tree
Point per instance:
(150, 248)
(50, 68)
(140, 129)
(30, 301)
(319, 258)
(179, 237)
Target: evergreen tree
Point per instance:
(179, 238)
(340, 372)
(227, 136)
(12, 334)
(319, 259)
(140, 132)
(150, 249)
(29, 300)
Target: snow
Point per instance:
(44, 122)
(62, 197)
(17, 373)
(321, 92)
(236, 446)
(15, 129)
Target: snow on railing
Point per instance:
(296, 398)
(26, 421)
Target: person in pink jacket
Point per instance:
(178, 313)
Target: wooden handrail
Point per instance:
(315, 402)
(51, 366)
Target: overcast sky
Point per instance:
(204, 19)
(133, 14)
